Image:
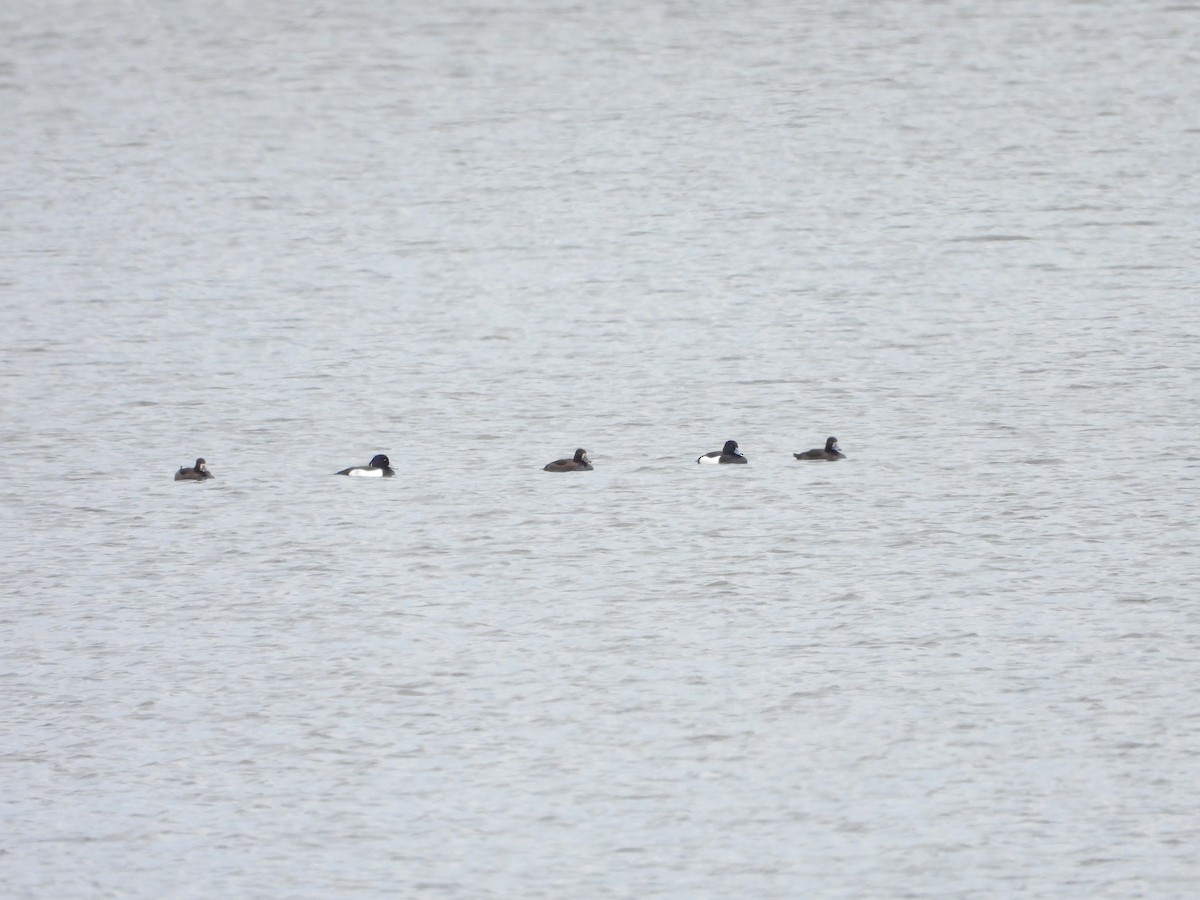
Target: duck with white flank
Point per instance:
(728, 454)
(379, 466)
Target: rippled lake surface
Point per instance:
(959, 236)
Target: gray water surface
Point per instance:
(959, 236)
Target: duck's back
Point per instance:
(567, 465)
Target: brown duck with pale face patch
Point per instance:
(831, 451)
(579, 463)
(198, 472)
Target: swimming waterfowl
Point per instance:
(727, 454)
(198, 472)
(831, 451)
(579, 463)
(378, 466)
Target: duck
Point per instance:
(578, 463)
(727, 454)
(830, 451)
(198, 472)
(378, 466)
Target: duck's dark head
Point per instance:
(201, 465)
(831, 445)
(379, 461)
(581, 455)
(731, 448)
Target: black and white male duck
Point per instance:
(379, 466)
(727, 454)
